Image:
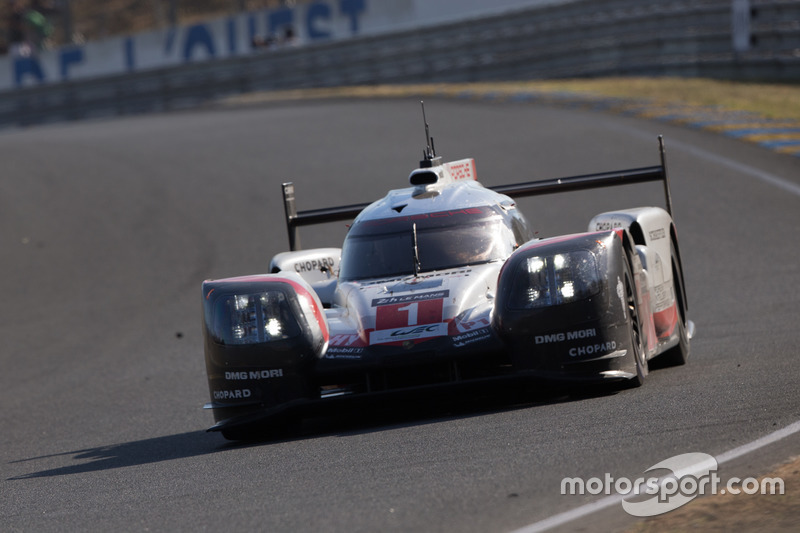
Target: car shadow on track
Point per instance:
(123, 455)
(374, 416)
(364, 420)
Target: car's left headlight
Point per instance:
(254, 318)
(554, 279)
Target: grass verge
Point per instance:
(772, 101)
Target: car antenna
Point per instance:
(429, 158)
(417, 265)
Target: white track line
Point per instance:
(604, 503)
(766, 177)
(616, 499)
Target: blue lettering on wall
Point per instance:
(278, 20)
(315, 20)
(230, 27)
(251, 28)
(130, 54)
(198, 35)
(317, 11)
(353, 9)
(170, 41)
(69, 57)
(24, 66)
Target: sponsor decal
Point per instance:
(255, 374)
(608, 225)
(568, 336)
(464, 339)
(663, 296)
(591, 349)
(461, 170)
(345, 339)
(314, 265)
(408, 298)
(657, 234)
(409, 313)
(463, 326)
(408, 333)
(236, 394)
(340, 352)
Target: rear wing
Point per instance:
(295, 219)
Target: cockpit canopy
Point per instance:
(446, 239)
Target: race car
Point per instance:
(443, 284)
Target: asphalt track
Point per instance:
(108, 229)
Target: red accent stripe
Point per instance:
(323, 325)
(666, 321)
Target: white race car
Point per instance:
(443, 284)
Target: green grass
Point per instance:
(777, 101)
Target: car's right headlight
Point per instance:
(555, 279)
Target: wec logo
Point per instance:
(415, 331)
(408, 333)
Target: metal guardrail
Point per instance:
(587, 38)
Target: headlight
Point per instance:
(546, 280)
(253, 318)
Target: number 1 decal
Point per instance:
(412, 313)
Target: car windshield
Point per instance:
(385, 248)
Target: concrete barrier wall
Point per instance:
(228, 37)
(581, 38)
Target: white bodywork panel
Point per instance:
(651, 229)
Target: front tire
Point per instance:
(635, 329)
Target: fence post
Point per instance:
(66, 19)
(172, 13)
